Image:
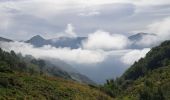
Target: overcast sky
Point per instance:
(99, 20)
(21, 19)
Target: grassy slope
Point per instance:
(147, 79)
(20, 85)
(21, 79)
(158, 78)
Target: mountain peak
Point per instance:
(37, 37)
(37, 41)
(139, 36)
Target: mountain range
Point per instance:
(75, 42)
(146, 79)
(71, 42)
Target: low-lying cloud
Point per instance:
(65, 54)
(105, 41)
(134, 55)
(70, 30)
(160, 29)
(79, 56)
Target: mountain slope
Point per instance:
(72, 72)
(21, 85)
(147, 79)
(69, 42)
(137, 38)
(59, 68)
(20, 79)
(5, 40)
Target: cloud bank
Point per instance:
(134, 55)
(65, 54)
(160, 29)
(32, 17)
(105, 41)
(77, 56)
(70, 31)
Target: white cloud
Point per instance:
(150, 2)
(5, 19)
(106, 41)
(148, 41)
(134, 55)
(48, 8)
(69, 55)
(160, 29)
(93, 13)
(70, 30)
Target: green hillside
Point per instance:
(20, 85)
(21, 79)
(147, 79)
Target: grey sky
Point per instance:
(21, 19)
(100, 20)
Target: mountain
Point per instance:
(5, 40)
(71, 42)
(21, 79)
(136, 38)
(72, 72)
(139, 36)
(81, 78)
(38, 41)
(147, 79)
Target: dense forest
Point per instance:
(27, 78)
(147, 79)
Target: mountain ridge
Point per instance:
(5, 39)
(71, 42)
(146, 79)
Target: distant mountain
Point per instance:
(139, 36)
(72, 42)
(38, 41)
(5, 40)
(136, 38)
(75, 42)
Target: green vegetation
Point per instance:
(25, 78)
(147, 79)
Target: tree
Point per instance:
(41, 64)
(22, 66)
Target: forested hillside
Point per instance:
(147, 79)
(26, 78)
